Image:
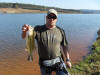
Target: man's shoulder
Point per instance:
(39, 27)
(61, 29)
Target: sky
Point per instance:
(66, 4)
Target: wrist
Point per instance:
(67, 60)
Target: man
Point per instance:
(50, 40)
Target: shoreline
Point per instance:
(91, 64)
(20, 11)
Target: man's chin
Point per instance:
(52, 24)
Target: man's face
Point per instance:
(51, 19)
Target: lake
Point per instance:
(81, 32)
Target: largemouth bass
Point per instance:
(30, 43)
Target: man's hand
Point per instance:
(69, 64)
(25, 28)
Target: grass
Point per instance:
(90, 65)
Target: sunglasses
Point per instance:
(52, 17)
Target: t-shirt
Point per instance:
(49, 42)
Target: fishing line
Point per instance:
(60, 12)
(44, 12)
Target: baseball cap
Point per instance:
(52, 11)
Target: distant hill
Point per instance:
(90, 11)
(36, 7)
(45, 8)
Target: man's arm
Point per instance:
(64, 45)
(66, 53)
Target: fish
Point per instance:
(30, 43)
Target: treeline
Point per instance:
(35, 7)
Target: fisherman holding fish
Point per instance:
(50, 40)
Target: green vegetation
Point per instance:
(91, 64)
(36, 7)
(15, 6)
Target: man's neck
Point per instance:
(50, 26)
